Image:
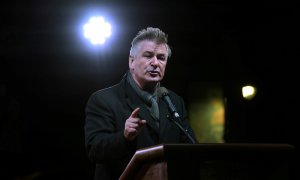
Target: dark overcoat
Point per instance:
(106, 113)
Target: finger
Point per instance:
(132, 125)
(133, 120)
(142, 122)
(130, 133)
(135, 112)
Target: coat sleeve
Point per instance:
(104, 142)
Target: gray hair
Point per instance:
(152, 34)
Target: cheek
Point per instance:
(162, 70)
(145, 65)
(163, 67)
(142, 67)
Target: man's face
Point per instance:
(148, 64)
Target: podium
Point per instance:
(211, 161)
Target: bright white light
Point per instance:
(97, 30)
(248, 92)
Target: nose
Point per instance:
(154, 61)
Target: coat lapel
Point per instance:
(163, 120)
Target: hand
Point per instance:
(133, 125)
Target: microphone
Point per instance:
(164, 94)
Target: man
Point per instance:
(129, 115)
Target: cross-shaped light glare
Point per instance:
(97, 30)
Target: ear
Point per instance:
(130, 62)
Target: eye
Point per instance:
(161, 57)
(148, 55)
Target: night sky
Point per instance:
(48, 71)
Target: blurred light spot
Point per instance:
(249, 92)
(97, 30)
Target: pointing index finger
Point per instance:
(135, 112)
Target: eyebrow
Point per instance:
(151, 52)
(148, 52)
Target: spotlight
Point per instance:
(97, 30)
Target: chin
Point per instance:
(154, 81)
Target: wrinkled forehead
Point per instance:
(152, 46)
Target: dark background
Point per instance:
(48, 70)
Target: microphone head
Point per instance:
(162, 91)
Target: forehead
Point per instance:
(152, 47)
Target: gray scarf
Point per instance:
(148, 98)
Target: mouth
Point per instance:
(154, 73)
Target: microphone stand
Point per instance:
(177, 121)
(163, 93)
